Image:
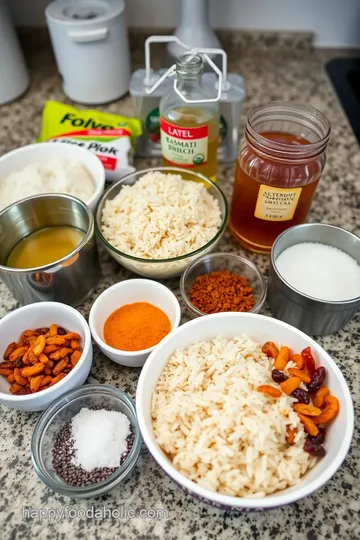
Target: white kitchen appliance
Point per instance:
(14, 78)
(194, 29)
(90, 43)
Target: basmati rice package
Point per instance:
(109, 136)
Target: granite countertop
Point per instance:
(274, 68)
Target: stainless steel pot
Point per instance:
(311, 315)
(68, 280)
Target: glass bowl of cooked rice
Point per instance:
(157, 221)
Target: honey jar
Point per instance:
(280, 161)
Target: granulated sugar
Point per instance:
(320, 271)
(99, 438)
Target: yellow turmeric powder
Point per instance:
(135, 327)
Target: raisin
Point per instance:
(18, 363)
(278, 376)
(23, 392)
(301, 395)
(317, 379)
(313, 448)
(61, 331)
(41, 331)
(320, 437)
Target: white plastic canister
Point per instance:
(14, 78)
(90, 43)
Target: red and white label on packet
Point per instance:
(185, 146)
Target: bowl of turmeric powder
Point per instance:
(222, 282)
(129, 319)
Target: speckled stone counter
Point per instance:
(274, 68)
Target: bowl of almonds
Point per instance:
(45, 351)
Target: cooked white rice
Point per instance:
(58, 175)
(161, 216)
(218, 430)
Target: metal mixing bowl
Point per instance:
(68, 280)
(311, 315)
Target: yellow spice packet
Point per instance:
(111, 137)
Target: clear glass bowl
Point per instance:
(223, 261)
(161, 268)
(60, 412)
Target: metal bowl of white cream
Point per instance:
(310, 312)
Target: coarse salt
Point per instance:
(99, 438)
(320, 271)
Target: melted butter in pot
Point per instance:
(44, 247)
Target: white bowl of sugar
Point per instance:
(314, 277)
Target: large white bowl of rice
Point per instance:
(51, 167)
(157, 221)
(219, 438)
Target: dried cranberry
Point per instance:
(301, 395)
(278, 376)
(309, 360)
(61, 331)
(320, 437)
(317, 379)
(313, 448)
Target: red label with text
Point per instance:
(185, 146)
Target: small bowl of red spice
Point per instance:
(130, 318)
(222, 282)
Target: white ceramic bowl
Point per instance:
(41, 152)
(128, 292)
(260, 329)
(40, 315)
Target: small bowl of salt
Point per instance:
(314, 277)
(87, 442)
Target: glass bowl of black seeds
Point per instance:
(55, 452)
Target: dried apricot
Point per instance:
(309, 425)
(61, 353)
(19, 378)
(5, 371)
(17, 353)
(9, 349)
(60, 366)
(331, 410)
(319, 397)
(298, 360)
(75, 357)
(308, 410)
(39, 345)
(290, 385)
(270, 349)
(35, 383)
(269, 390)
(15, 387)
(304, 377)
(282, 358)
(32, 370)
(57, 378)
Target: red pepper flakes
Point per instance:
(222, 291)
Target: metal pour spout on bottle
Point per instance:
(189, 116)
(146, 105)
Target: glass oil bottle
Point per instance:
(189, 120)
